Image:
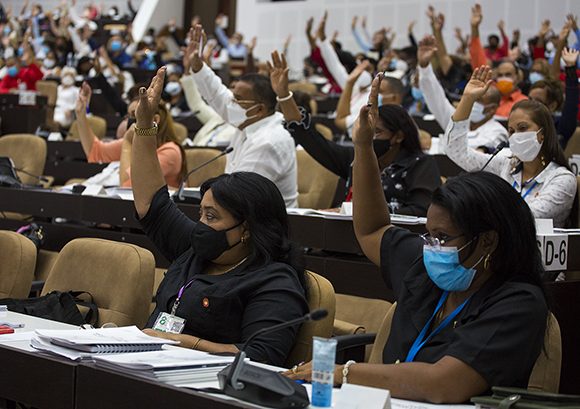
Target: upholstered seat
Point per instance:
(316, 184)
(28, 152)
(196, 157)
(17, 267)
(96, 123)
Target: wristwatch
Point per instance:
(147, 131)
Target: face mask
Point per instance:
(380, 100)
(381, 146)
(13, 71)
(148, 40)
(7, 30)
(237, 115)
(112, 13)
(48, 63)
(477, 115)
(209, 243)
(550, 47)
(20, 51)
(417, 94)
(535, 77)
(525, 145)
(67, 81)
(116, 46)
(445, 270)
(173, 88)
(393, 64)
(505, 85)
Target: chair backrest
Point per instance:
(376, 356)
(320, 295)
(573, 145)
(17, 267)
(118, 275)
(324, 131)
(96, 123)
(546, 373)
(50, 90)
(424, 139)
(578, 201)
(27, 151)
(363, 315)
(303, 86)
(180, 132)
(196, 157)
(316, 184)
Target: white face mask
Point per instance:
(173, 88)
(525, 145)
(477, 115)
(238, 115)
(48, 63)
(67, 81)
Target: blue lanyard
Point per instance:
(528, 191)
(421, 340)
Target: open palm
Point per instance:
(426, 50)
(279, 74)
(479, 83)
(149, 100)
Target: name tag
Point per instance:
(554, 249)
(169, 323)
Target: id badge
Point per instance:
(169, 323)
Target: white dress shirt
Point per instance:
(490, 134)
(264, 147)
(550, 194)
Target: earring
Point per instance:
(543, 161)
(243, 239)
(486, 261)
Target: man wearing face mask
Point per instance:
(67, 97)
(408, 176)
(485, 132)
(261, 144)
(507, 79)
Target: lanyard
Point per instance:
(421, 340)
(528, 191)
(179, 294)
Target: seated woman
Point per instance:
(408, 176)
(233, 272)
(169, 153)
(468, 291)
(538, 171)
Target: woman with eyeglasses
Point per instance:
(471, 309)
(538, 170)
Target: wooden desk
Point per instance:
(18, 118)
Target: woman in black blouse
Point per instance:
(408, 176)
(471, 309)
(232, 273)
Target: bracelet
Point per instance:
(196, 343)
(345, 371)
(286, 98)
(147, 131)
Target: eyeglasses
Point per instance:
(243, 101)
(437, 242)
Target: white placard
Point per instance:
(26, 98)
(574, 162)
(554, 249)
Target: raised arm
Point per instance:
(370, 211)
(437, 22)
(343, 107)
(146, 175)
(366, 47)
(329, 55)
(567, 124)
(505, 42)
(562, 40)
(86, 134)
(476, 50)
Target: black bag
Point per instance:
(34, 232)
(56, 306)
(517, 398)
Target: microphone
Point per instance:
(498, 148)
(179, 195)
(262, 386)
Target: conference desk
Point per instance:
(20, 118)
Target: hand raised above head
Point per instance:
(191, 57)
(364, 127)
(570, 56)
(425, 50)
(478, 84)
(149, 99)
(279, 74)
(476, 15)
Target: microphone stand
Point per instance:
(498, 148)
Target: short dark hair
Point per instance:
(396, 118)
(481, 201)
(396, 85)
(553, 91)
(493, 37)
(262, 90)
(256, 200)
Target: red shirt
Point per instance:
(28, 75)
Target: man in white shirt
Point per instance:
(485, 132)
(261, 143)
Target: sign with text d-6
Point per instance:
(554, 249)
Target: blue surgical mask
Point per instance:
(20, 51)
(7, 30)
(445, 270)
(173, 88)
(116, 46)
(535, 77)
(393, 64)
(417, 94)
(380, 100)
(13, 71)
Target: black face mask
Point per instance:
(209, 243)
(381, 146)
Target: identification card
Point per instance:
(169, 323)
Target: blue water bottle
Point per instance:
(324, 355)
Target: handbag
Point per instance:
(56, 306)
(519, 398)
(34, 232)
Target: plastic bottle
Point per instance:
(324, 355)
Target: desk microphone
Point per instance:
(502, 144)
(13, 180)
(179, 195)
(263, 386)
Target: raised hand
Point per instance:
(83, 99)
(334, 36)
(252, 45)
(364, 127)
(287, 42)
(364, 22)
(476, 15)
(425, 51)
(570, 56)
(573, 21)
(309, 24)
(279, 74)
(411, 26)
(501, 26)
(544, 28)
(564, 33)
(353, 22)
(149, 100)
(431, 14)
(478, 84)
(321, 31)
(191, 58)
(439, 22)
(358, 70)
